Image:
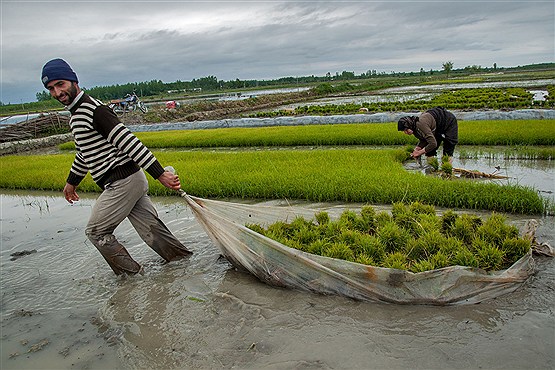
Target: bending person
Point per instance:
(432, 128)
(114, 157)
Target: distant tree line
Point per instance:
(212, 84)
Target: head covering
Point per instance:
(57, 69)
(407, 122)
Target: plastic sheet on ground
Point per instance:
(281, 266)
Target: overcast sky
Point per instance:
(116, 42)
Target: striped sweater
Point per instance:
(105, 147)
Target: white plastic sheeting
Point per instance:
(281, 266)
(383, 117)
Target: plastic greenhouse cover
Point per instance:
(282, 266)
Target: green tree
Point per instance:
(43, 96)
(448, 67)
(347, 75)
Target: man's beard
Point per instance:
(71, 93)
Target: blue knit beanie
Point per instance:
(57, 69)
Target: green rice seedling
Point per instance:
(256, 228)
(399, 207)
(515, 248)
(373, 176)
(368, 215)
(465, 257)
(309, 135)
(468, 241)
(305, 235)
(331, 231)
(395, 260)
(383, 218)
(317, 247)
(322, 218)
(494, 230)
(522, 132)
(365, 222)
(393, 237)
(499, 132)
(439, 260)
(446, 166)
(295, 245)
(299, 223)
(433, 162)
(465, 227)
(365, 260)
(349, 237)
(426, 245)
(415, 249)
(405, 218)
(514, 152)
(280, 230)
(420, 208)
(340, 251)
(421, 266)
(428, 223)
(451, 247)
(352, 221)
(370, 246)
(407, 152)
(434, 240)
(489, 256)
(280, 238)
(448, 220)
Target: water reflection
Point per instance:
(204, 314)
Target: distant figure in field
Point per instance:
(433, 127)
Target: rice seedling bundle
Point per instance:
(410, 237)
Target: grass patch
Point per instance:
(508, 132)
(350, 175)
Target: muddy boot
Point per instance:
(172, 251)
(166, 244)
(116, 255)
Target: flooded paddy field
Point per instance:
(538, 174)
(62, 307)
(423, 92)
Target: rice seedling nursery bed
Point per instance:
(412, 237)
(505, 132)
(332, 169)
(457, 99)
(374, 176)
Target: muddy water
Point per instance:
(536, 174)
(63, 308)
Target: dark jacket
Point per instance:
(435, 126)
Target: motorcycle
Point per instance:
(129, 103)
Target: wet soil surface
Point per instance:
(62, 307)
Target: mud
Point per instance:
(62, 307)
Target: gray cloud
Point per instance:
(124, 41)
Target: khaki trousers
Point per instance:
(127, 198)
